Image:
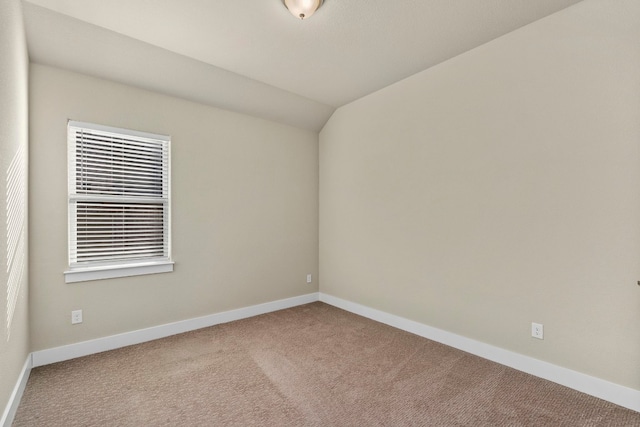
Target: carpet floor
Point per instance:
(312, 365)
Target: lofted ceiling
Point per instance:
(253, 57)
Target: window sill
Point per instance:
(123, 270)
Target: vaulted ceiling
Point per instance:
(253, 57)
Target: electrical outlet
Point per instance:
(308, 278)
(76, 317)
(537, 330)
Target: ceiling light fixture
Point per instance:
(302, 8)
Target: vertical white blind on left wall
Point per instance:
(119, 193)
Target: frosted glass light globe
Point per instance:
(302, 8)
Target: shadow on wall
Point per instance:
(16, 185)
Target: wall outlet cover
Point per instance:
(537, 330)
(76, 317)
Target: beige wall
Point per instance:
(500, 188)
(14, 325)
(244, 214)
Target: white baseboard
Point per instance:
(14, 400)
(85, 348)
(614, 393)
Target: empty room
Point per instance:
(320, 213)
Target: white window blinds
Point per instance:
(118, 196)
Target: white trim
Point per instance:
(16, 395)
(85, 348)
(611, 392)
(117, 131)
(113, 271)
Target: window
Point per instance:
(119, 203)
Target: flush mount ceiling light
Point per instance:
(302, 8)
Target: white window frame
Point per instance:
(95, 270)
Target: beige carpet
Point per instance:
(313, 365)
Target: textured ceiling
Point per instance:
(252, 56)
